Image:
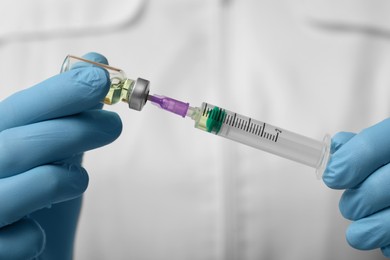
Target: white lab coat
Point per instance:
(165, 190)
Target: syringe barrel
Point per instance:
(263, 136)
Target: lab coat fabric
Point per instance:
(165, 190)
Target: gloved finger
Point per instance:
(22, 240)
(59, 220)
(62, 95)
(38, 188)
(386, 251)
(91, 56)
(339, 140)
(359, 157)
(98, 106)
(370, 232)
(25, 147)
(95, 57)
(369, 197)
(74, 159)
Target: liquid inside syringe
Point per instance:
(251, 132)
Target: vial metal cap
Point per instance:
(139, 94)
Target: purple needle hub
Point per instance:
(169, 104)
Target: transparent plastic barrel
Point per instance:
(263, 136)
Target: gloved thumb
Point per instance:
(339, 140)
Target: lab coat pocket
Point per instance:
(22, 19)
(354, 16)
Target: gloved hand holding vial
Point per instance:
(44, 131)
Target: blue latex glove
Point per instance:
(43, 132)
(360, 164)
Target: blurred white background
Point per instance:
(165, 190)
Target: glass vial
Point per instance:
(133, 92)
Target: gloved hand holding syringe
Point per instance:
(216, 120)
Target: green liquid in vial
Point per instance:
(119, 91)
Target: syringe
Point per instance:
(214, 119)
(254, 133)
